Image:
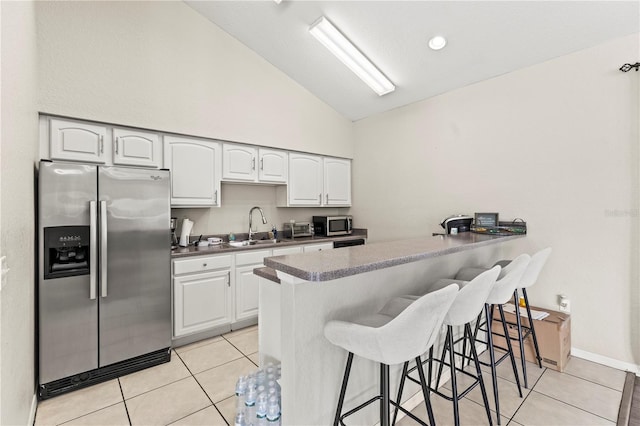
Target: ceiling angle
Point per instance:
(343, 49)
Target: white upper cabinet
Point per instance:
(239, 163)
(136, 148)
(305, 180)
(316, 181)
(337, 182)
(273, 165)
(242, 163)
(195, 171)
(75, 141)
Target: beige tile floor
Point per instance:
(196, 388)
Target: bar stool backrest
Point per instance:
(508, 280)
(530, 275)
(403, 337)
(471, 298)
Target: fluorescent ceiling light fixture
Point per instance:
(342, 48)
(437, 42)
(277, 1)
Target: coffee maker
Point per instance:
(174, 239)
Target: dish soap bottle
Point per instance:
(275, 232)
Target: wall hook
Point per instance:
(627, 67)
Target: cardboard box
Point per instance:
(553, 334)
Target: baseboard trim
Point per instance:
(32, 413)
(609, 362)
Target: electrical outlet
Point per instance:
(564, 303)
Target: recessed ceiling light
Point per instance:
(437, 42)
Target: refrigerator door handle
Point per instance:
(93, 249)
(103, 248)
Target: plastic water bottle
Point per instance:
(250, 397)
(261, 405)
(261, 377)
(273, 410)
(240, 419)
(241, 385)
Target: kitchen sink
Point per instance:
(273, 241)
(245, 243)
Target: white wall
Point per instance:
(161, 65)
(555, 144)
(19, 147)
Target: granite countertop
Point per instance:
(225, 248)
(333, 264)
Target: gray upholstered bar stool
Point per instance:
(390, 340)
(501, 293)
(468, 304)
(529, 278)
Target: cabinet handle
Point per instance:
(101, 144)
(117, 139)
(320, 198)
(327, 198)
(262, 164)
(204, 265)
(215, 197)
(229, 280)
(253, 163)
(93, 249)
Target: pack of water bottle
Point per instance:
(258, 398)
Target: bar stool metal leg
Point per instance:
(454, 385)
(425, 392)
(467, 329)
(520, 339)
(510, 348)
(533, 330)
(343, 389)
(488, 312)
(384, 391)
(405, 368)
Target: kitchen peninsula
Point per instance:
(314, 288)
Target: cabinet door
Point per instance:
(287, 250)
(337, 182)
(305, 180)
(70, 140)
(195, 171)
(201, 301)
(246, 292)
(308, 248)
(273, 166)
(239, 163)
(134, 148)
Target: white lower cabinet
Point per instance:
(246, 285)
(287, 250)
(221, 290)
(201, 294)
(308, 248)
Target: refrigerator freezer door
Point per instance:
(135, 298)
(68, 328)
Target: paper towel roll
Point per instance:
(187, 225)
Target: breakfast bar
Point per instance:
(300, 293)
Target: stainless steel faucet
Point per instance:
(264, 220)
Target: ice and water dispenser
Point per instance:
(66, 251)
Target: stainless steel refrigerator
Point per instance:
(104, 295)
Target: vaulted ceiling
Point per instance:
(485, 39)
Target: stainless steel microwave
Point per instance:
(329, 226)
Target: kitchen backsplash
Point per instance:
(233, 216)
